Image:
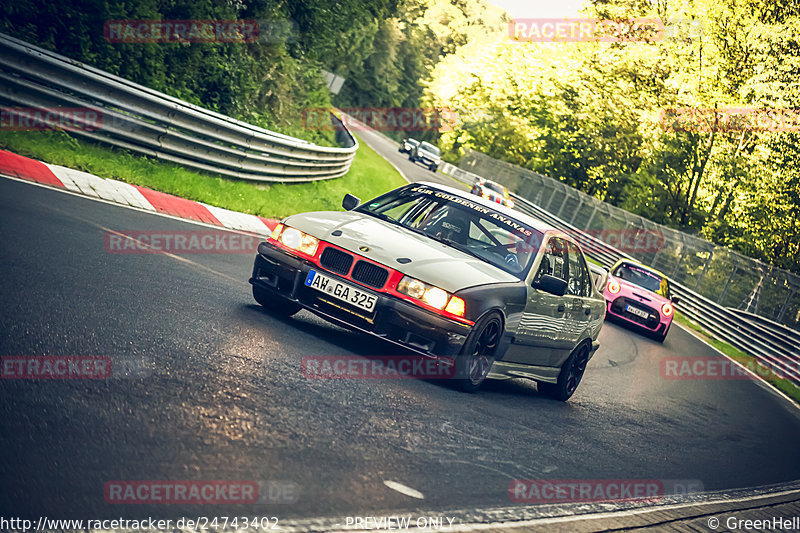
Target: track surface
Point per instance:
(223, 396)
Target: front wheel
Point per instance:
(569, 377)
(275, 303)
(479, 353)
(433, 168)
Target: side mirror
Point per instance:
(551, 284)
(350, 202)
(676, 299)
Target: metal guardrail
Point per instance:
(721, 274)
(777, 349)
(155, 124)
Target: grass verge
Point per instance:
(748, 361)
(369, 176)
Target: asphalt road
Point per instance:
(388, 149)
(218, 394)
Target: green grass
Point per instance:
(594, 262)
(784, 385)
(369, 176)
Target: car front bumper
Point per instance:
(392, 319)
(656, 323)
(427, 160)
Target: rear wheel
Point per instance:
(569, 377)
(479, 353)
(275, 303)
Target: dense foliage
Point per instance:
(643, 125)
(594, 114)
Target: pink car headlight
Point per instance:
(613, 286)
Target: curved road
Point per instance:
(216, 393)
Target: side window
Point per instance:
(579, 283)
(554, 260)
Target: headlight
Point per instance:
(295, 239)
(431, 295)
(613, 286)
(666, 308)
(435, 297)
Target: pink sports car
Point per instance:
(639, 295)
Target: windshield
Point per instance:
(469, 227)
(412, 142)
(644, 278)
(429, 148)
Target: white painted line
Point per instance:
(64, 177)
(764, 383)
(236, 220)
(403, 489)
(395, 167)
(79, 181)
(131, 194)
(124, 206)
(616, 514)
(513, 525)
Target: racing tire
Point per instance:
(275, 304)
(570, 376)
(478, 353)
(433, 168)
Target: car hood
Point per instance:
(431, 261)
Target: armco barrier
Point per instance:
(155, 124)
(775, 348)
(721, 274)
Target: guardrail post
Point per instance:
(727, 284)
(786, 304)
(705, 268)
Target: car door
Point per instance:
(539, 339)
(578, 301)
